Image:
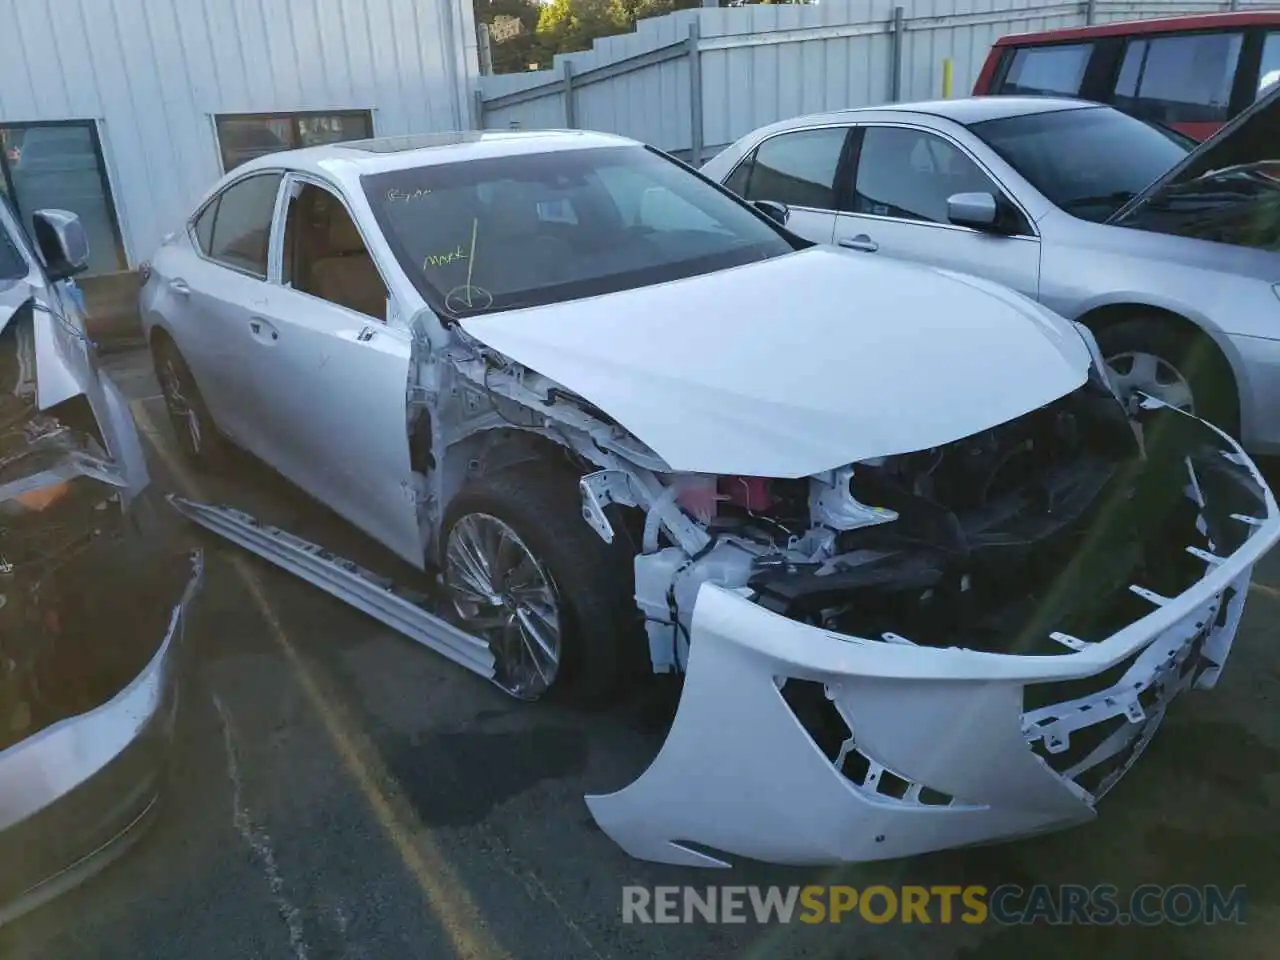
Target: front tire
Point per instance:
(524, 571)
(1185, 370)
(198, 437)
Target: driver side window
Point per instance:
(325, 255)
(909, 174)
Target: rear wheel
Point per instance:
(198, 438)
(525, 572)
(1147, 353)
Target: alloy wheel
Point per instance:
(1152, 375)
(182, 410)
(503, 593)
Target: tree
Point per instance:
(517, 52)
(569, 25)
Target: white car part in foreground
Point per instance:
(938, 747)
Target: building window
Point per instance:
(242, 137)
(59, 165)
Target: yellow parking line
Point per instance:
(445, 894)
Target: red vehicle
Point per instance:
(1190, 73)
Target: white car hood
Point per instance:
(800, 364)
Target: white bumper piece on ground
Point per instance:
(937, 748)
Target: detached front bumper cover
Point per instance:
(935, 747)
(74, 796)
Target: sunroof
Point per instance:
(415, 141)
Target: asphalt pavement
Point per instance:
(340, 792)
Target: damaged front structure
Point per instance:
(951, 618)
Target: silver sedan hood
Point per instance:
(800, 364)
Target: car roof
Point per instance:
(1127, 28)
(381, 154)
(964, 110)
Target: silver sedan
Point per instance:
(1062, 201)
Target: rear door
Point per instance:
(331, 373)
(799, 168)
(212, 288)
(896, 206)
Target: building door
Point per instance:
(59, 165)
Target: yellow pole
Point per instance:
(946, 78)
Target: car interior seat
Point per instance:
(342, 270)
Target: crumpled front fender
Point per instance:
(797, 745)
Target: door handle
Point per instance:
(180, 287)
(860, 242)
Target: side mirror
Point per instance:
(774, 210)
(977, 210)
(62, 242)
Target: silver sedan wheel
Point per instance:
(181, 410)
(503, 593)
(1152, 375)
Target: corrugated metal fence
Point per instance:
(694, 81)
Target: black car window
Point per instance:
(1073, 157)
(798, 169)
(910, 174)
(1054, 70)
(204, 226)
(242, 224)
(12, 264)
(737, 181)
(1183, 78)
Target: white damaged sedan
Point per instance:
(928, 582)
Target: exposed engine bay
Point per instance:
(998, 541)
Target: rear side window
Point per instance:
(1056, 70)
(204, 227)
(798, 169)
(1179, 79)
(242, 223)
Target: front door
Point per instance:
(898, 208)
(332, 374)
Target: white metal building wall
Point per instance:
(153, 73)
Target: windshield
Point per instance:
(530, 229)
(1087, 162)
